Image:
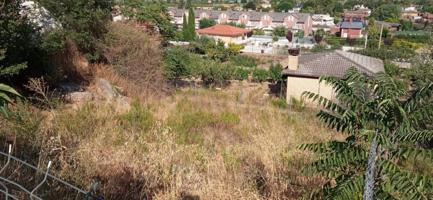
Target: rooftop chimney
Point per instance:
(293, 63)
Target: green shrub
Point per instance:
(297, 104)
(204, 23)
(388, 53)
(279, 103)
(260, 75)
(275, 72)
(216, 73)
(391, 69)
(138, 118)
(190, 121)
(241, 74)
(279, 31)
(244, 61)
(319, 48)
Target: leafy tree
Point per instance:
(318, 35)
(282, 5)
(280, 31)
(16, 39)
(177, 63)
(205, 22)
(155, 13)
(384, 127)
(388, 12)
(300, 34)
(421, 71)
(250, 6)
(83, 21)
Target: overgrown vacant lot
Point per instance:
(194, 143)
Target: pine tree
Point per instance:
(378, 116)
(191, 24)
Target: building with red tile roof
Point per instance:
(224, 30)
(226, 33)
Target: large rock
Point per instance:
(105, 89)
(78, 97)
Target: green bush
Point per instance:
(391, 69)
(280, 31)
(204, 23)
(319, 48)
(244, 61)
(138, 117)
(279, 103)
(241, 74)
(216, 73)
(388, 53)
(275, 72)
(260, 75)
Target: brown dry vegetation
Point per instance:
(134, 56)
(194, 143)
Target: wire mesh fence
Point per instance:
(21, 180)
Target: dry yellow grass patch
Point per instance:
(196, 143)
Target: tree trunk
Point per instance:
(371, 170)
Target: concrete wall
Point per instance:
(297, 85)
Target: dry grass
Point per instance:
(196, 143)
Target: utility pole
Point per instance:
(380, 37)
(366, 40)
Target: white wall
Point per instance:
(298, 85)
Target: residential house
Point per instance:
(226, 33)
(409, 12)
(351, 30)
(303, 71)
(321, 21)
(251, 19)
(352, 24)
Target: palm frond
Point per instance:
(338, 160)
(351, 188)
(415, 136)
(323, 102)
(345, 123)
(325, 147)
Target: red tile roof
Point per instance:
(223, 30)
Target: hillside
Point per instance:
(196, 142)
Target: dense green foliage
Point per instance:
(244, 61)
(240, 25)
(280, 31)
(83, 21)
(388, 53)
(155, 13)
(379, 116)
(205, 22)
(282, 5)
(388, 12)
(421, 71)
